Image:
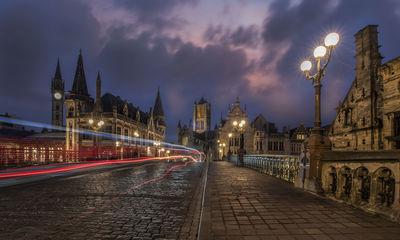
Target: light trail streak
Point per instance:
(87, 165)
(114, 137)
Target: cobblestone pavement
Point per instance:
(106, 204)
(244, 204)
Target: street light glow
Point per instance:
(91, 121)
(235, 123)
(306, 66)
(101, 123)
(319, 52)
(230, 135)
(331, 39)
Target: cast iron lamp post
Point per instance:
(239, 126)
(229, 146)
(322, 55)
(316, 142)
(96, 125)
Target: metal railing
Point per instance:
(285, 167)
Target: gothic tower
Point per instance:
(57, 98)
(202, 116)
(367, 84)
(78, 101)
(158, 114)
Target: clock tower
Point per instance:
(57, 98)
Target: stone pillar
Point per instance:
(316, 145)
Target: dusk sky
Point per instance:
(217, 49)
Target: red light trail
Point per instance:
(29, 172)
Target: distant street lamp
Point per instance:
(96, 124)
(229, 146)
(322, 55)
(239, 126)
(136, 135)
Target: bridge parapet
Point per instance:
(285, 167)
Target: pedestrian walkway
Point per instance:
(244, 204)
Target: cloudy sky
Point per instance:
(190, 48)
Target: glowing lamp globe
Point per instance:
(331, 39)
(91, 121)
(319, 52)
(305, 66)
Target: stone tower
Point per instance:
(77, 102)
(359, 118)
(201, 116)
(57, 98)
(367, 88)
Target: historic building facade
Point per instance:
(363, 166)
(260, 136)
(369, 116)
(106, 113)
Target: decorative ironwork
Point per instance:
(365, 184)
(333, 181)
(285, 167)
(347, 182)
(386, 187)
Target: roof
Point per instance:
(109, 101)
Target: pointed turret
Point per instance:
(79, 86)
(179, 124)
(57, 82)
(158, 111)
(98, 105)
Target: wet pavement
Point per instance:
(127, 202)
(247, 205)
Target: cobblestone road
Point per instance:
(103, 205)
(244, 204)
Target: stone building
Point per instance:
(297, 137)
(369, 116)
(363, 166)
(198, 133)
(106, 113)
(260, 136)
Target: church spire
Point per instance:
(58, 83)
(158, 110)
(79, 86)
(98, 107)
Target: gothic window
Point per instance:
(261, 143)
(71, 112)
(363, 141)
(363, 92)
(347, 117)
(57, 107)
(363, 121)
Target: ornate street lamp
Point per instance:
(229, 146)
(322, 55)
(136, 135)
(239, 126)
(96, 124)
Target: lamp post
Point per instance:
(239, 126)
(136, 135)
(229, 145)
(96, 124)
(317, 143)
(322, 55)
